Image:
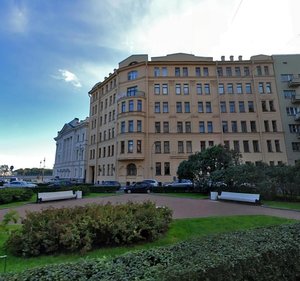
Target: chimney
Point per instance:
(231, 58)
(222, 58)
(240, 58)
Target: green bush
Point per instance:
(82, 228)
(8, 195)
(103, 188)
(264, 254)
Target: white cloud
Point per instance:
(69, 77)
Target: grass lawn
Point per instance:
(180, 229)
(283, 205)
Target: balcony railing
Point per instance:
(294, 82)
(296, 99)
(297, 116)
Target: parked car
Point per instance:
(180, 183)
(59, 183)
(139, 187)
(19, 184)
(152, 182)
(109, 183)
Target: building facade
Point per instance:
(287, 71)
(71, 146)
(149, 115)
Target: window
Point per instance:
(166, 127)
(210, 128)
(269, 146)
(277, 146)
(237, 71)
(244, 126)
(232, 106)
(289, 94)
(185, 71)
(223, 106)
(131, 92)
(131, 105)
(286, 77)
(122, 127)
(139, 105)
(197, 71)
(205, 71)
(200, 106)
(261, 87)
(230, 88)
(132, 75)
(165, 107)
(122, 147)
(131, 169)
(130, 146)
(164, 71)
(180, 147)
(221, 89)
(201, 127)
(157, 168)
(241, 107)
(177, 71)
(258, 70)
(188, 128)
(189, 147)
(202, 145)
(255, 146)
(156, 89)
(139, 146)
(246, 71)
(157, 147)
(268, 88)
(178, 89)
(130, 126)
(157, 127)
(236, 146)
(296, 146)
(234, 128)
(246, 146)
(253, 126)
(157, 107)
(225, 126)
(123, 106)
(208, 107)
(164, 89)
(248, 88)
(228, 71)
(266, 70)
(220, 71)
(199, 88)
(187, 108)
(178, 107)
(250, 106)
(266, 124)
(166, 147)
(185, 89)
(271, 105)
(207, 89)
(139, 126)
(156, 71)
(167, 168)
(239, 88)
(226, 144)
(179, 127)
(264, 106)
(274, 125)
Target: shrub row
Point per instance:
(265, 254)
(8, 195)
(85, 227)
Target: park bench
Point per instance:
(55, 195)
(243, 197)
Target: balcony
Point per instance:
(131, 157)
(296, 99)
(297, 116)
(294, 82)
(135, 94)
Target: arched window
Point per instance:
(131, 169)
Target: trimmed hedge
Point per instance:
(264, 254)
(8, 195)
(83, 228)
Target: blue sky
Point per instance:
(52, 52)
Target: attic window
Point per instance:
(133, 63)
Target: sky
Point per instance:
(52, 52)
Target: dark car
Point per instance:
(109, 183)
(139, 187)
(181, 183)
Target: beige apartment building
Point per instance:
(287, 72)
(149, 115)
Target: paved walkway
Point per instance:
(182, 207)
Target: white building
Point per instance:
(70, 156)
